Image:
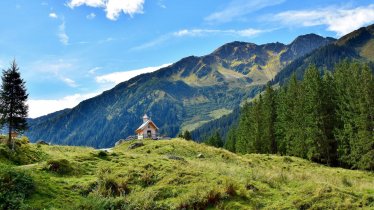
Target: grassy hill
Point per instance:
(174, 174)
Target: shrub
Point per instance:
(346, 182)
(148, 178)
(22, 154)
(15, 186)
(60, 166)
(230, 189)
(102, 154)
(108, 185)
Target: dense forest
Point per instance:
(328, 118)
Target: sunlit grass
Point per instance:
(146, 178)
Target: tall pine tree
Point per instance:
(13, 97)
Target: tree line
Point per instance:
(328, 119)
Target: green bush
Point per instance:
(108, 185)
(22, 154)
(60, 166)
(15, 186)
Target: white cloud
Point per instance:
(91, 16)
(118, 77)
(202, 32)
(238, 8)
(63, 37)
(93, 70)
(90, 3)
(113, 8)
(53, 15)
(58, 68)
(339, 20)
(40, 107)
(250, 32)
(152, 43)
(68, 81)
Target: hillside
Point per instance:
(357, 46)
(183, 96)
(172, 175)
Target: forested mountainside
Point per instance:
(183, 96)
(355, 46)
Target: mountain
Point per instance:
(357, 45)
(183, 96)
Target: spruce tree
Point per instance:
(230, 143)
(269, 117)
(315, 138)
(242, 143)
(187, 135)
(215, 140)
(13, 97)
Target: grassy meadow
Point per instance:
(173, 174)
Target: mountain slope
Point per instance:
(357, 45)
(182, 96)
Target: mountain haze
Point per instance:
(185, 95)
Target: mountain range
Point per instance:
(194, 90)
(356, 46)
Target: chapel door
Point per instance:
(149, 134)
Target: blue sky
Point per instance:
(70, 50)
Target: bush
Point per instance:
(22, 154)
(60, 166)
(102, 154)
(108, 185)
(15, 186)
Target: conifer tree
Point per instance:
(230, 143)
(187, 135)
(313, 121)
(215, 140)
(13, 97)
(269, 117)
(242, 144)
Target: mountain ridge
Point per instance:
(182, 96)
(324, 58)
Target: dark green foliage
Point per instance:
(324, 57)
(22, 154)
(326, 119)
(61, 167)
(256, 129)
(15, 186)
(102, 154)
(215, 140)
(355, 115)
(230, 143)
(186, 135)
(13, 97)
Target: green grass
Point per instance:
(146, 178)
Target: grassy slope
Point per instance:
(259, 181)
